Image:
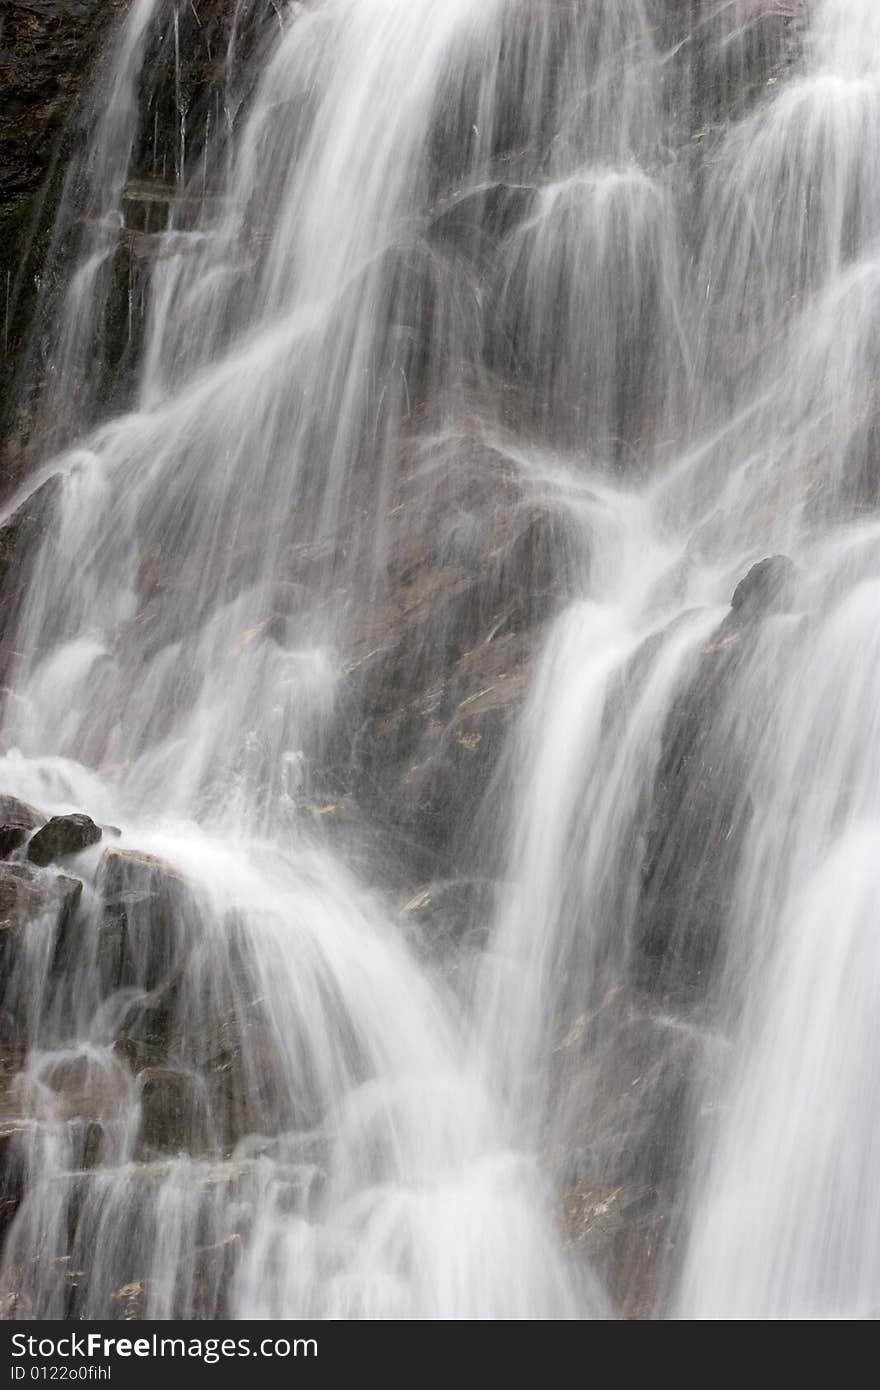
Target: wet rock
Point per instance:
(27, 899)
(45, 59)
(694, 826)
(148, 914)
(147, 1033)
(19, 536)
(90, 1144)
(625, 1079)
(85, 1086)
(215, 1267)
(15, 1307)
(12, 837)
(12, 1174)
(440, 657)
(473, 223)
(62, 835)
(452, 913)
(19, 814)
(767, 588)
(246, 1076)
(173, 1112)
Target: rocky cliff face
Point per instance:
(437, 668)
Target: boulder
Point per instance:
(61, 836)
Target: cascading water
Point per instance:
(600, 277)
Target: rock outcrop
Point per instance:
(62, 836)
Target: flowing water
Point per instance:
(632, 250)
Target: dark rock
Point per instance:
(12, 837)
(130, 1301)
(87, 1086)
(27, 898)
(46, 47)
(147, 1035)
(767, 588)
(92, 1142)
(245, 1076)
(214, 1270)
(20, 533)
(694, 826)
(173, 1112)
(12, 1174)
(61, 836)
(148, 909)
(624, 1079)
(441, 657)
(473, 223)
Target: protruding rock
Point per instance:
(62, 835)
(147, 905)
(767, 588)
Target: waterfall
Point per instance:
(455, 428)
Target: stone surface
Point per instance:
(148, 911)
(440, 659)
(625, 1105)
(767, 588)
(700, 809)
(19, 537)
(12, 837)
(46, 53)
(148, 1034)
(451, 915)
(27, 898)
(173, 1112)
(62, 836)
(11, 1173)
(18, 814)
